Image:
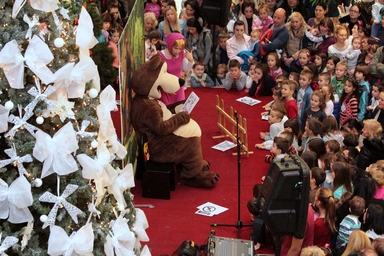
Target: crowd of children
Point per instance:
(326, 109)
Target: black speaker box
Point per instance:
(284, 197)
(216, 12)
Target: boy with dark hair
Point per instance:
(221, 49)
(361, 74)
(303, 95)
(350, 222)
(235, 78)
(199, 78)
(317, 177)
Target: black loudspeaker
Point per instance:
(284, 197)
(216, 12)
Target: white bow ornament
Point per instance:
(56, 152)
(31, 23)
(37, 56)
(3, 119)
(85, 38)
(20, 122)
(16, 160)
(7, 243)
(41, 5)
(40, 96)
(107, 104)
(15, 199)
(120, 241)
(64, 108)
(78, 243)
(27, 231)
(140, 225)
(82, 133)
(72, 210)
(122, 182)
(99, 169)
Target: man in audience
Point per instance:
(280, 34)
(378, 112)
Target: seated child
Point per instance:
(254, 45)
(276, 126)
(222, 71)
(150, 44)
(291, 150)
(235, 78)
(221, 49)
(199, 78)
(251, 73)
(279, 147)
(351, 222)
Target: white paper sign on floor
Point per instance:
(248, 100)
(210, 209)
(224, 146)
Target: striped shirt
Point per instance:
(349, 224)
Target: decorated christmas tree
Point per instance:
(63, 190)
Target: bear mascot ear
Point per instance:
(145, 76)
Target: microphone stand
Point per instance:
(239, 224)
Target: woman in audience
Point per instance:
(171, 23)
(248, 17)
(321, 10)
(341, 47)
(326, 28)
(238, 42)
(296, 28)
(198, 41)
(352, 18)
(191, 10)
(150, 22)
(373, 149)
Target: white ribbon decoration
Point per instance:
(37, 56)
(64, 12)
(3, 119)
(41, 5)
(107, 104)
(20, 122)
(71, 78)
(31, 23)
(15, 199)
(64, 108)
(7, 243)
(85, 38)
(16, 160)
(125, 180)
(120, 241)
(56, 151)
(82, 133)
(99, 169)
(72, 210)
(27, 231)
(92, 209)
(145, 251)
(79, 243)
(40, 96)
(140, 225)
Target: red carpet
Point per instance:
(173, 221)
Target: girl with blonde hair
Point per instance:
(358, 240)
(150, 22)
(171, 23)
(341, 46)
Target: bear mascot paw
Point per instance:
(171, 137)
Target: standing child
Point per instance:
(316, 108)
(221, 73)
(287, 91)
(331, 65)
(377, 17)
(376, 89)
(235, 78)
(348, 101)
(303, 97)
(351, 222)
(254, 45)
(324, 79)
(353, 55)
(266, 20)
(312, 129)
(325, 223)
(275, 127)
(338, 82)
(262, 82)
(321, 62)
(294, 76)
(107, 24)
(328, 93)
(312, 67)
(114, 36)
(361, 74)
(273, 62)
(150, 44)
(221, 49)
(199, 78)
(279, 147)
(303, 59)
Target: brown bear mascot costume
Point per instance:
(171, 137)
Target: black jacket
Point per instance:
(371, 152)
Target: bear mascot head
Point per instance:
(172, 137)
